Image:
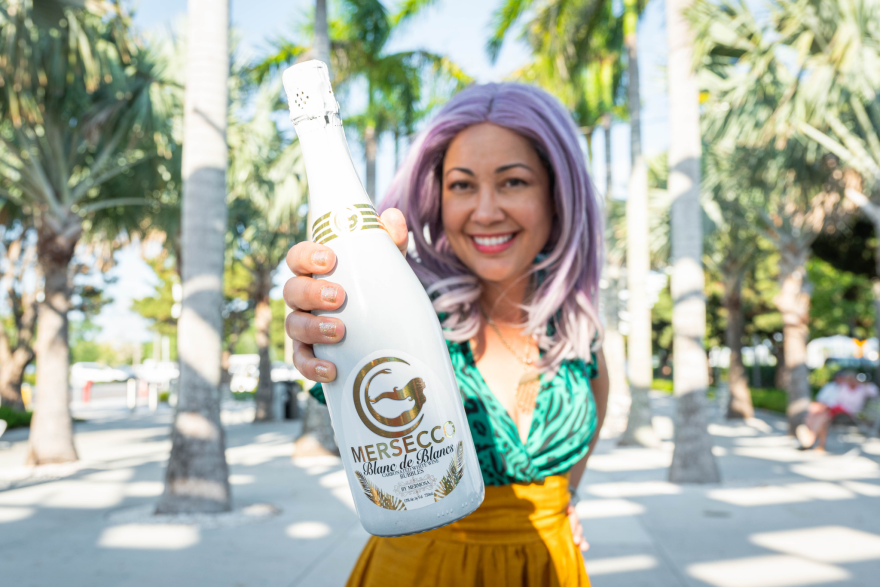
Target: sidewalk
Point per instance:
(780, 518)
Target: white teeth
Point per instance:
(488, 241)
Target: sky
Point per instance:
(456, 28)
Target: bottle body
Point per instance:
(395, 406)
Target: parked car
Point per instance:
(245, 371)
(159, 372)
(80, 373)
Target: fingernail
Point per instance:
(320, 258)
(328, 329)
(328, 294)
(322, 371)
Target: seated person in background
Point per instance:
(845, 395)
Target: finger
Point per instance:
(307, 294)
(308, 258)
(315, 369)
(395, 224)
(304, 327)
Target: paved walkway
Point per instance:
(780, 518)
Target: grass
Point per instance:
(14, 418)
(767, 398)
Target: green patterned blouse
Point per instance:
(563, 423)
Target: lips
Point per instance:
(493, 243)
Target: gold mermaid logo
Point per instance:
(400, 425)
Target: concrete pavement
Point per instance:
(780, 518)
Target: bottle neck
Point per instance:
(333, 181)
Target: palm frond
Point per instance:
(453, 476)
(377, 496)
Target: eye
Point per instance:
(512, 182)
(457, 186)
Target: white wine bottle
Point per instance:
(395, 405)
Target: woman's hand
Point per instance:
(303, 294)
(577, 530)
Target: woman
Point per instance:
(507, 236)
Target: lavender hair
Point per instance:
(565, 296)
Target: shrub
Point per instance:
(770, 398)
(14, 418)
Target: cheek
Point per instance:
(453, 217)
(537, 216)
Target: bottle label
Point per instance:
(404, 438)
(345, 221)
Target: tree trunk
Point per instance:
(322, 35)
(614, 345)
(692, 459)
(639, 430)
(262, 322)
(740, 405)
(20, 260)
(609, 182)
(13, 364)
(793, 302)
(51, 437)
(370, 141)
(196, 479)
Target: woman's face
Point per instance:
(496, 202)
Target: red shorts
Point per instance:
(835, 411)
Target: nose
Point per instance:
(487, 211)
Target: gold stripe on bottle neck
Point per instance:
(344, 221)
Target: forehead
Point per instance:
(489, 145)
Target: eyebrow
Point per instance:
(501, 169)
(511, 166)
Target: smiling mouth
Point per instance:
(493, 243)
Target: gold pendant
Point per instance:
(527, 392)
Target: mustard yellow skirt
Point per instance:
(519, 536)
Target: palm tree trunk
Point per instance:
(793, 302)
(262, 322)
(692, 459)
(317, 431)
(51, 437)
(370, 140)
(13, 364)
(14, 360)
(196, 479)
(740, 405)
(614, 344)
(639, 430)
(322, 34)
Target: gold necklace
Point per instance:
(530, 383)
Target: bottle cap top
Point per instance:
(308, 91)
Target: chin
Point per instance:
(495, 273)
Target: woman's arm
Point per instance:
(600, 393)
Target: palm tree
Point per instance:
(731, 252)
(692, 460)
(196, 479)
(750, 93)
(583, 33)
(840, 100)
(84, 111)
(267, 185)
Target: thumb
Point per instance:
(395, 224)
